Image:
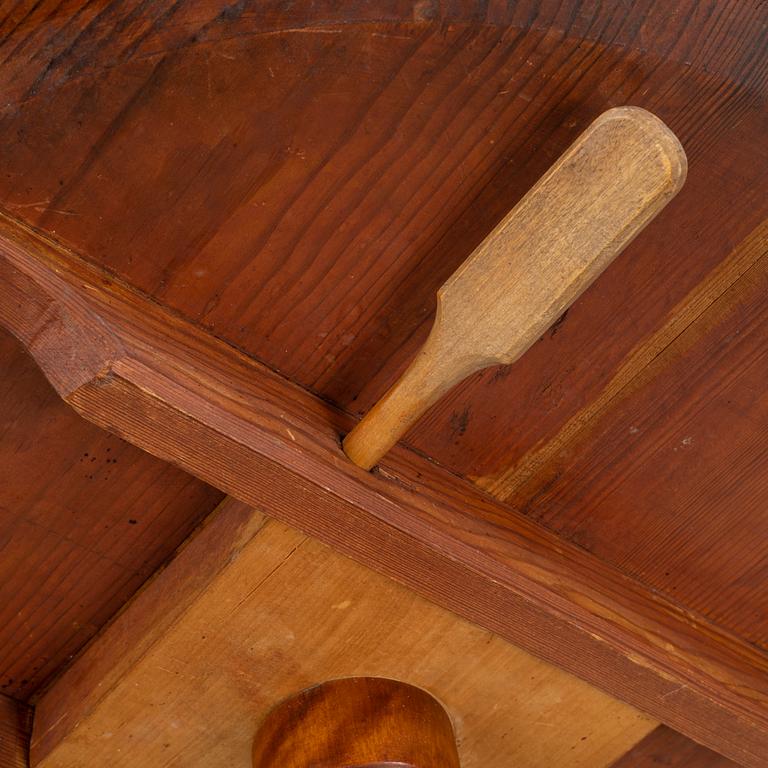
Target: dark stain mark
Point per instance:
(132, 522)
(459, 422)
(231, 12)
(582, 538)
(57, 60)
(530, 507)
(556, 326)
(425, 10)
(501, 373)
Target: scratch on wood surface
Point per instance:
(253, 590)
(391, 36)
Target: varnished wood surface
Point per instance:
(664, 747)
(599, 195)
(357, 721)
(15, 730)
(677, 457)
(139, 371)
(300, 178)
(330, 164)
(252, 611)
(85, 519)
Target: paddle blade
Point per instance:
(553, 244)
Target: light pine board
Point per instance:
(244, 618)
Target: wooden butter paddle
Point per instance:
(539, 259)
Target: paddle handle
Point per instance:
(429, 376)
(581, 214)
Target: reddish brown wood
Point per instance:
(299, 178)
(607, 187)
(15, 730)
(85, 518)
(678, 457)
(667, 748)
(159, 382)
(369, 722)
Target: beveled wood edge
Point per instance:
(165, 385)
(142, 621)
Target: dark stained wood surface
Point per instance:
(139, 371)
(357, 721)
(85, 519)
(298, 178)
(15, 731)
(665, 747)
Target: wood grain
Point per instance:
(259, 611)
(610, 183)
(676, 453)
(181, 394)
(299, 178)
(357, 721)
(664, 746)
(15, 730)
(85, 519)
(694, 305)
(417, 128)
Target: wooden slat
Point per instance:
(665, 747)
(252, 611)
(15, 730)
(184, 396)
(85, 519)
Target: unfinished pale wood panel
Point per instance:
(281, 612)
